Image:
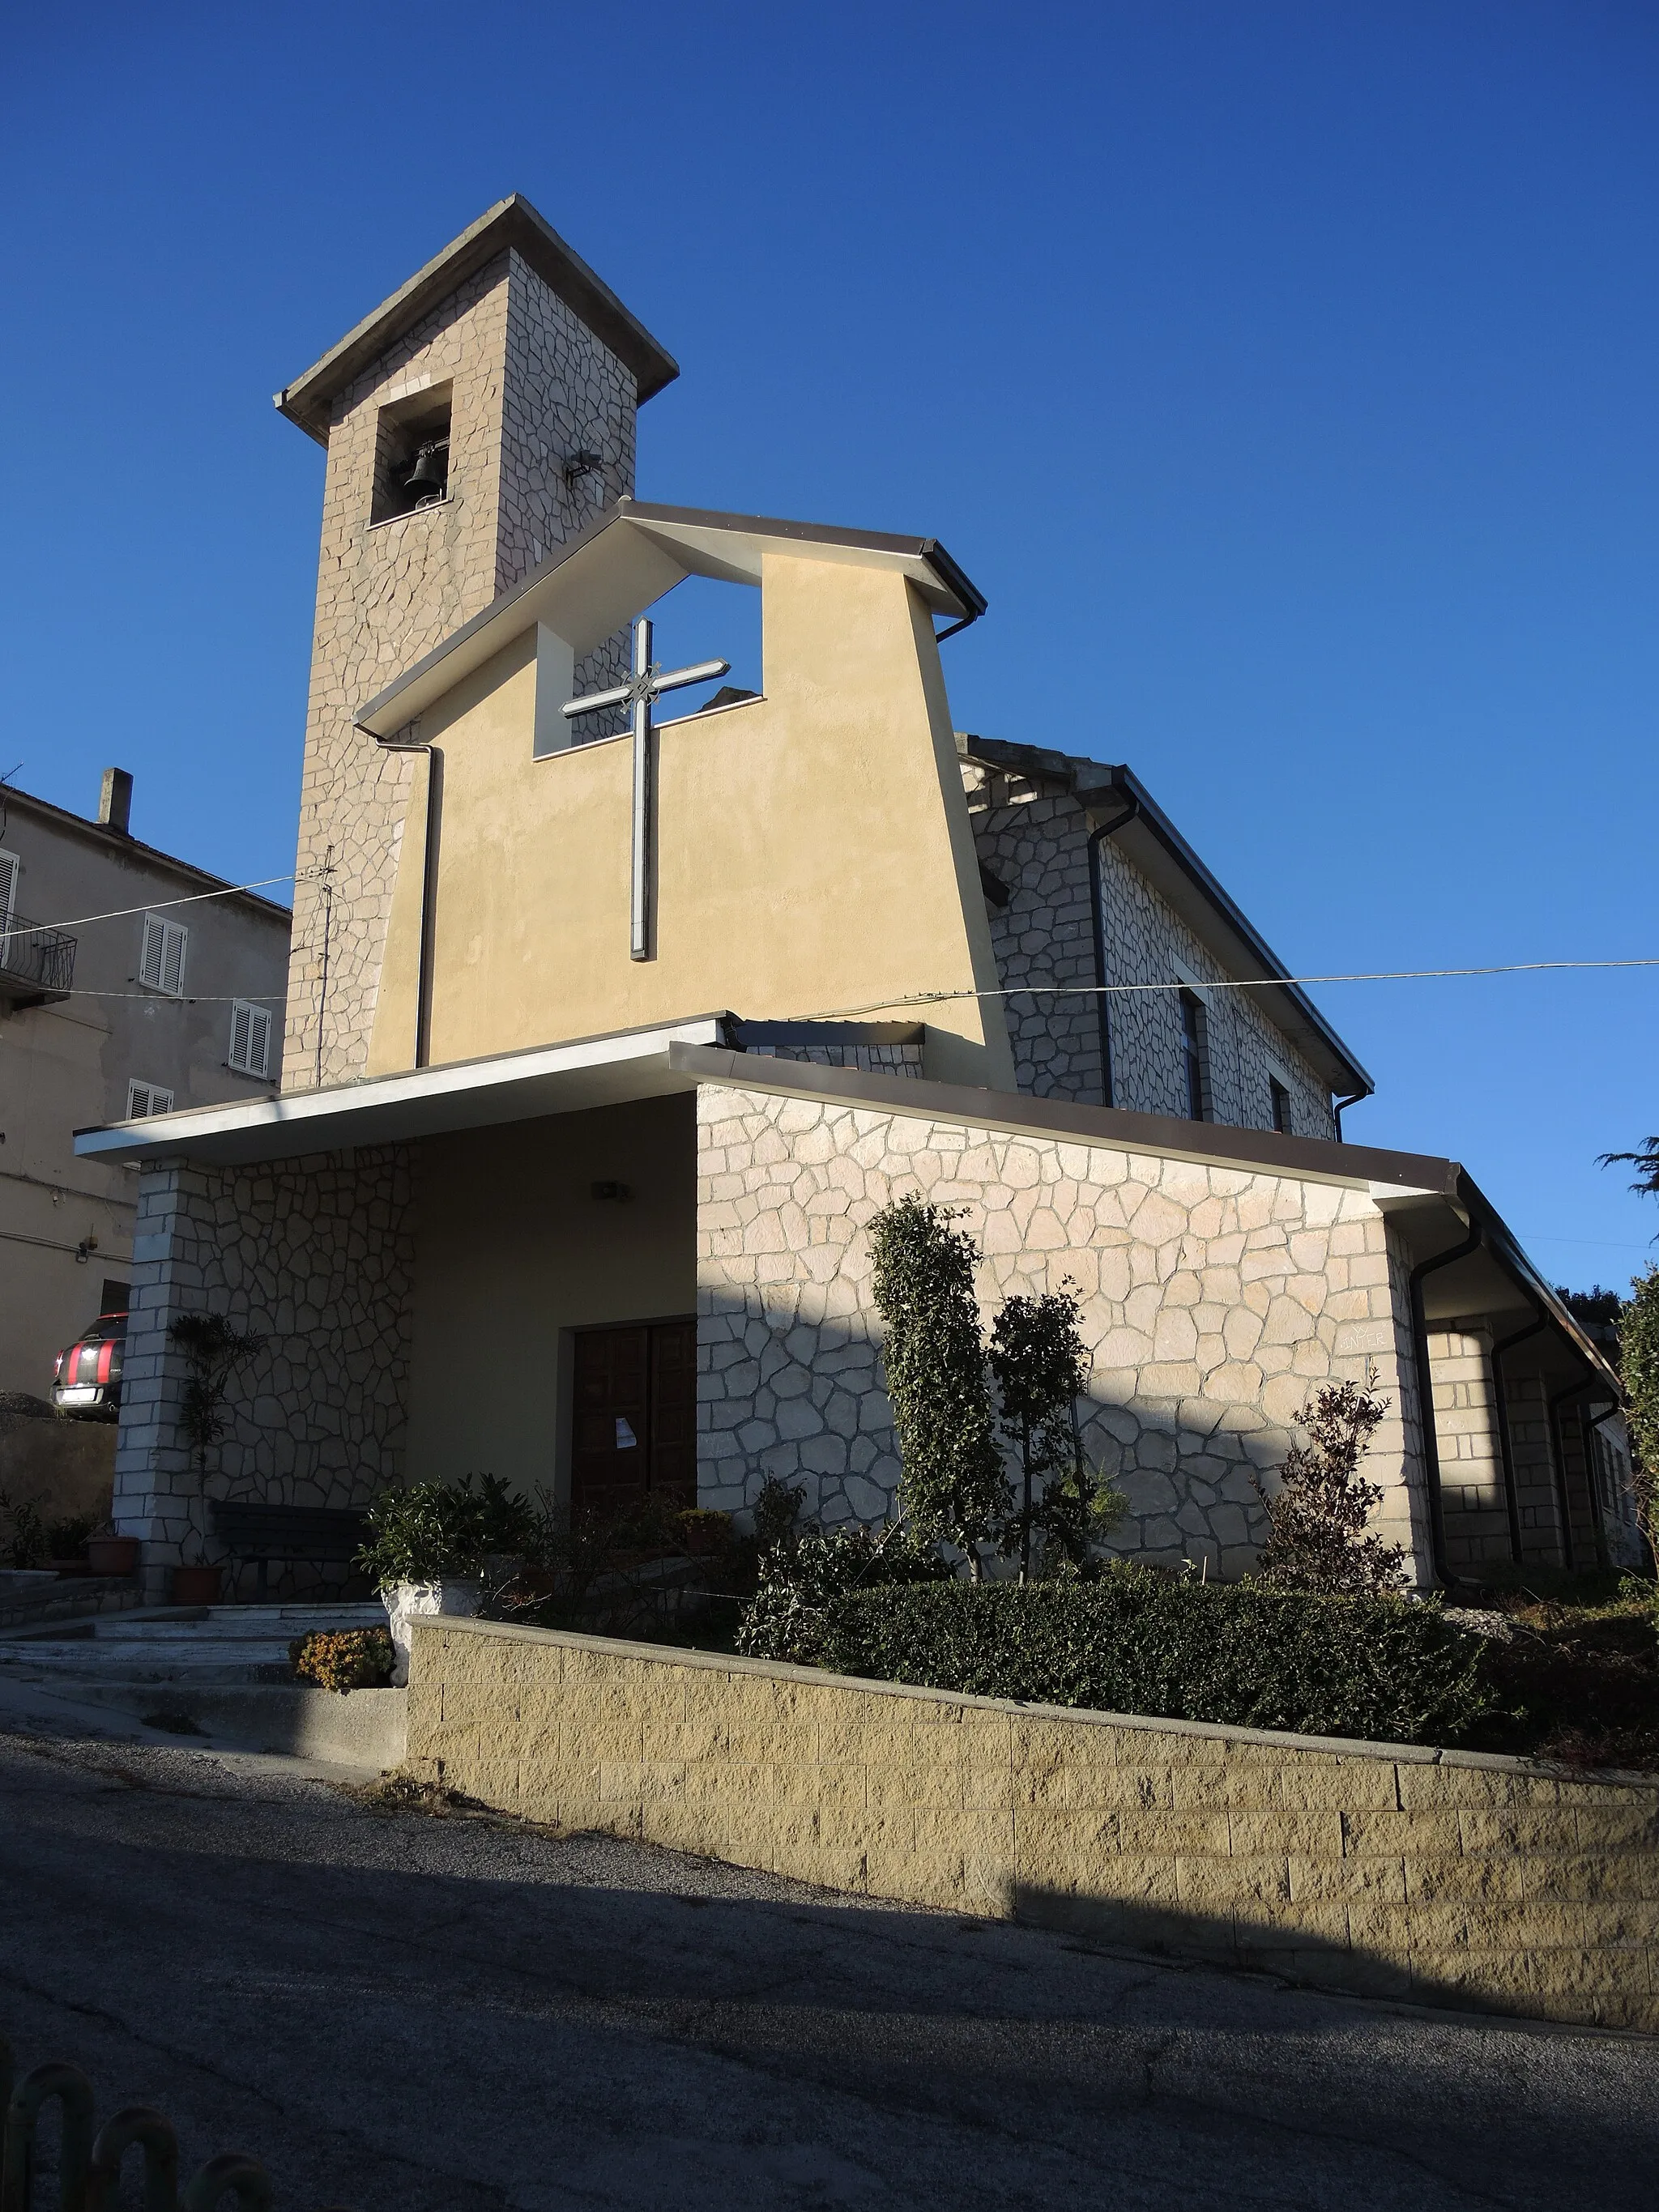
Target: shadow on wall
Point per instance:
(1307, 1942)
(806, 1403)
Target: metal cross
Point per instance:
(639, 695)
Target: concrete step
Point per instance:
(229, 1623)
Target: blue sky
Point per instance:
(1283, 374)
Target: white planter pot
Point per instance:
(406, 1601)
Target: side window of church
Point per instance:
(1196, 1053)
(250, 1038)
(162, 954)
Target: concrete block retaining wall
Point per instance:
(1441, 1877)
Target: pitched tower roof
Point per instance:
(511, 222)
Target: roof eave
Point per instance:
(1107, 786)
(411, 691)
(512, 222)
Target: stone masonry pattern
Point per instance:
(1214, 1299)
(1033, 839)
(528, 384)
(1416, 1874)
(316, 1256)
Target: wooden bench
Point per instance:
(264, 1533)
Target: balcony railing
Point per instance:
(35, 963)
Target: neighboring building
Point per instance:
(165, 1005)
(546, 1214)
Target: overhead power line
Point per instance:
(158, 906)
(1226, 983)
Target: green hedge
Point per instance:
(1240, 1655)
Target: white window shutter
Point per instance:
(146, 1098)
(162, 958)
(173, 969)
(11, 868)
(152, 958)
(250, 1037)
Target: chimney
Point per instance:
(115, 801)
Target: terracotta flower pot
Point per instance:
(111, 1555)
(705, 1539)
(196, 1585)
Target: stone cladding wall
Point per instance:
(1214, 1299)
(1438, 1877)
(1472, 1467)
(1470, 1460)
(528, 384)
(871, 1059)
(1035, 841)
(317, 1255)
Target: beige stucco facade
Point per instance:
(813, 849)
(513, 1253)
(66, 1064)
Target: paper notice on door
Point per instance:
(626, 1439)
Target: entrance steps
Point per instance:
(218, 1676)
(220, 1643)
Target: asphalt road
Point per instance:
(397, 2012)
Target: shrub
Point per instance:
(1318, 1542)
(22, 1532)
(1639, 1345)
(1240, 1655)
(432, 1530)
(343, 1659)
(799, 1584)
(951, 1482)
(68, 1539)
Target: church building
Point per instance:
(609, 1026)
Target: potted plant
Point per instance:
(705, 1533)
(428, 1547)
(214, 1351)
(109, 1554)
(66, 1544)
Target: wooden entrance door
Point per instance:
(636, 1417)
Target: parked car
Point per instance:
(87, 1377)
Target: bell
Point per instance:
(429, 478)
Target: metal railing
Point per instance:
(33, 958)
(89, 2165)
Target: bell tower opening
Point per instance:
(411, 455)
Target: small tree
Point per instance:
(1644, 1160)
(214, 1351)
(1041, 1368)
(953, 1485)
(1639, 1345)
(1318, 1515)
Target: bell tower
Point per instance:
(474, 422)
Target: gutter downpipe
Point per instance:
(434, 799)
(1340, 1106)
(1558, 1439)
(1426, 1393)
(1098, 916)
(1501, 1417)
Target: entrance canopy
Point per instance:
(428, 1102)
